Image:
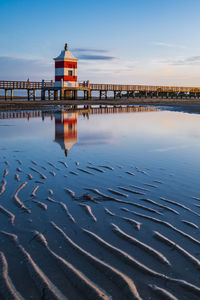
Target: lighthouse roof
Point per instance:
(66, 55)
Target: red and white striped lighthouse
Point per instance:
(66, 69)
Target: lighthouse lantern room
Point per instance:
(65, 69)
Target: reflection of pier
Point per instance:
(66, 129)
(88, 110)
(20, 114)
(120, 109)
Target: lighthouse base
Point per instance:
(65, 84)
(56, 93)
(68, 94)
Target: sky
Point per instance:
(153, 42)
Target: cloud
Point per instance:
(17, 68)
(89, 50)
(96, 57)
(168, 45)
(188, 61)
(92, 54)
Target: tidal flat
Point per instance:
(99, 203)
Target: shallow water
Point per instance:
(157, 152)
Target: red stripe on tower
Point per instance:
(65, 78)
(66, 64)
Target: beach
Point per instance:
(99, 203)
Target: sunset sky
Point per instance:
(131, 41)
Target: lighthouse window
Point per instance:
(70, 73)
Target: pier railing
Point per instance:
(24, 85)
(142, 88)
(39, 85)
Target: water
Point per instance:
(152, 149)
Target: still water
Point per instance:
(100, 203)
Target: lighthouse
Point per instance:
(65, 69)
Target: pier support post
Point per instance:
(43, 95)
(88, 94)
(75, 94)
(34, 94)
(11, 94)
(100, 94)
(120, 94)
(55, 95)
(106, 94)
(28, 94)
(114, 94)
(62, 92)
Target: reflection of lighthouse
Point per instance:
(65, 129)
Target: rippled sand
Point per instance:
(102, 243)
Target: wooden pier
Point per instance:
(90, 90)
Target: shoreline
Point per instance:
(184, 105)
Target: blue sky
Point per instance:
(138, 41)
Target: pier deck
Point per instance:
(89, 89)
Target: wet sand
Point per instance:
(185, 105)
